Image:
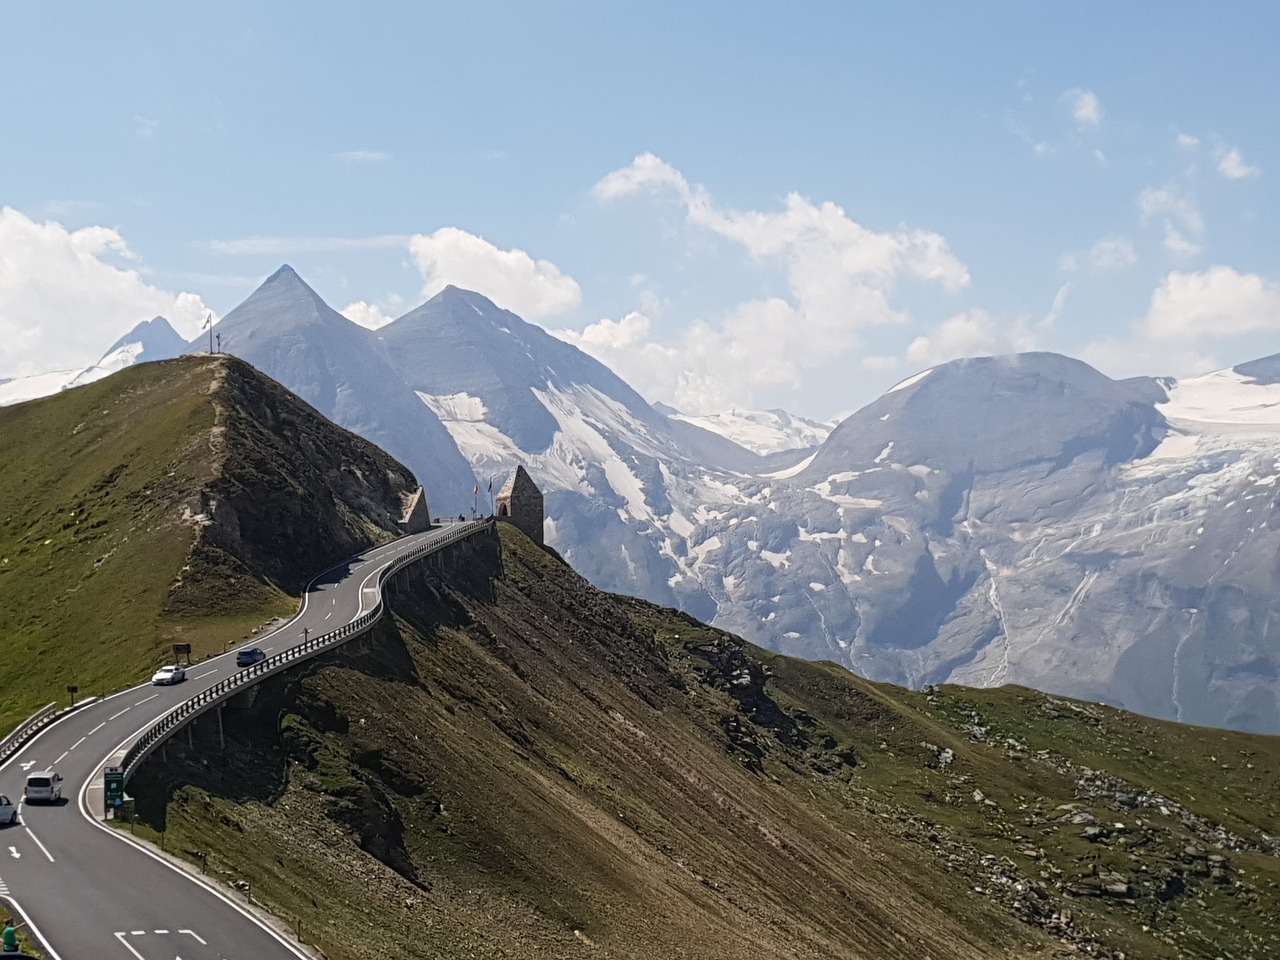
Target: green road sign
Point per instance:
(113, 786)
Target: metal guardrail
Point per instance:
(26, 730)
(182, 714)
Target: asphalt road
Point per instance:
(88, 890)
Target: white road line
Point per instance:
(201, 940)
(16, 854)
(38, 843)
(121, 937)
(141, 702)
(59, 760)
(77, 743)
(97, 728)
(162, 931)
(203, 675)
(328, 615)
(138, 933)
(120, 714)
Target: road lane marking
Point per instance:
(201, 940)
(145, 699)
(328, 615)
(76, 744)
(42, 847)
(120, 714)
(161, 931)
(59, 760)
(16, 854)
(27, 765)
(97, 728)
(203, 675)
(121, 937)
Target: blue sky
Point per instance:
(731, 204)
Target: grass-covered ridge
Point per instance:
(521, 766)
(185, 500)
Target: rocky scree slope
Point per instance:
(519, 765)
(182, 500)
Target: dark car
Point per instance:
(249, 656)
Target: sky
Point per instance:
(734, 205)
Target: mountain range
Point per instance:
(1020, 519)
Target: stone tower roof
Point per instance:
(519, 484)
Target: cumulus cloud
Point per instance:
(1214, 303)
(1085, 108)
(65, 295)
(366, 314)
(1232, 166)
(512, 279)
(840, 278)
(973, 333)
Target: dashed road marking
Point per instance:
(97, 728)
(203, 675)
(145, 699)
(120, 714)
(199, 938)
(59, 760)
(76, 744)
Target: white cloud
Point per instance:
(358, 157)
(840, 279)
(64, 297)
(1168, 201)
(1217, 302)
(1232, 166)
(510, 278)
(973, 333)
(1112, 254)
(1085, 108)
(1056, 308)
(1187, 141)
(366, 314)
(1177, 244)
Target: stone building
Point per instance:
(520, 502)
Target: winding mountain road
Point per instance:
(89, 891)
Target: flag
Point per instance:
(476, 491)
(491, 486)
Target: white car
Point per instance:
(43, 786)
(8, 812)
(171, 673)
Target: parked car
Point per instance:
(44, 786)
(170, 673)
(8, 812)
(249, 656)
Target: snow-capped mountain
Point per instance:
(762, 431)
(1015, 519)
(285, 330)
(152, 339)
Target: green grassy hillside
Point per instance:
(520, 766)
(177, 501)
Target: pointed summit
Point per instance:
(152, 339)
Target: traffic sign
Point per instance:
(113, 786)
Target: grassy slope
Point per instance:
(92, 481)
(530, 768)
(106, 557)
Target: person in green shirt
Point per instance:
(9, 939)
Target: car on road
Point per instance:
(43, 786)
(8, 812)
(169, 673)
(249, 656)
